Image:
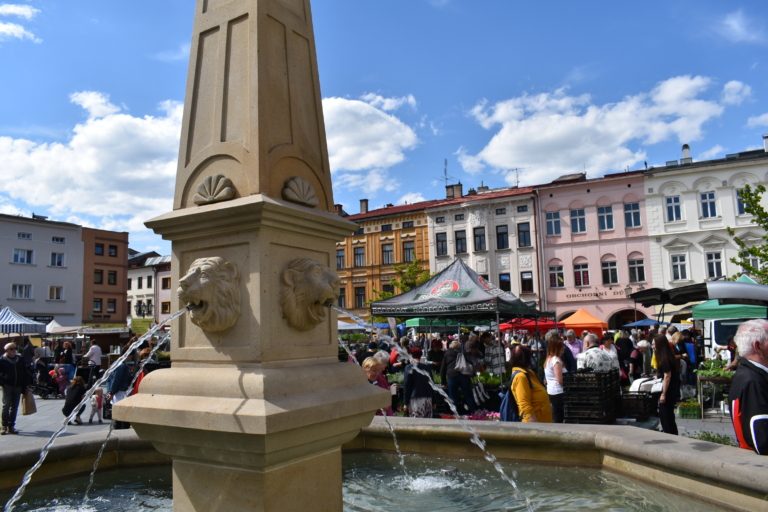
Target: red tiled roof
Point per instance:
(393, 210)
(507, 192)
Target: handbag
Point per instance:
(463, 366)
(28, 405)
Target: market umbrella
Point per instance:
(583, 320)
(645, 322)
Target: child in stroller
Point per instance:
(43, 385)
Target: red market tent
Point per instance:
(530, 325)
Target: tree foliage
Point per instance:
(407, 277)
(751, 253)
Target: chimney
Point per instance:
(765, 142)
(363, 206)
(686, 159)
(338, 209)
(454, 191)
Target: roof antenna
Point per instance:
(445, 172)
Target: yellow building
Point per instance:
(386, 237)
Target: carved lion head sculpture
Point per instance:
(308, 289)
(211, 292)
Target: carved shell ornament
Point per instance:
(298, 190)
(214, 189)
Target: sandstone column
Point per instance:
(256, 404)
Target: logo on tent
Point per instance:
(447, 289)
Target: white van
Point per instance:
(717, 332)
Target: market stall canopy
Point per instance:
(582, 320)
(530, 324)
(347, 326)
(456, 291)
(13, 322)
(55, 327)
(645, 322)
(431, 322)
(728, 292)
(713, 309)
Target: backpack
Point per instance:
(508, 410)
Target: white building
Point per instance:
(493, 231)
(141, 286)
(41, 268)
(690, 205)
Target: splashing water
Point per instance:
(474, 436)
(9, 506)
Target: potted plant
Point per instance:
(690, 409)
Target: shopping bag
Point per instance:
(28, 405)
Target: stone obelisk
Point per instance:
(256, 405)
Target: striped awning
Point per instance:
(11, 321)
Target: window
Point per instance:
(461, 241)
(502, 237)
(23, 256)
(610, 272)
(165, 308)
(501, 211)
(359, 297)
(439, 220)
(99, 250)
(112, 277)
(55, 292)
(165, 283)
(556, 276)
(751, 260)
(139, 281)
(98, 277)
(97, 305)
(386, 227)
(679, 268)
(407, 224)
(708, 207)
(605, 218)
(129, 284)
(339, 259)
(458, 216)
(740, 209)
(342, 297)
(111, 305)
(388, 288)
(524, 234)
(112, 250)
(714, 265)
(523, 208)
(359, 231)
(553, 223)
(526, 282)
(149, 281)
(674, 213)
(359, 256)
(24, 236)
(479, 234)
(57, 259)
(21, 291)
(441, 244)
(58, 239)
(505, 283)
(578, 221)
(636, 271)
(387, 254)
(581, 274)
(409, 252)
(632, 215)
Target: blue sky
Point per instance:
(91, 95)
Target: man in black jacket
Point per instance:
(749, 389)
(14, 377)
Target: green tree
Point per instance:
(749, 254)
(408, 276)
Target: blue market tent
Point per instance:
(645, 322)
(13, 322)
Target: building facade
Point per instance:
(105, 279)
(691, 205)
(595, 246)
(41, 273)
(494, 232)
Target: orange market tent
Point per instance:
(582, 320)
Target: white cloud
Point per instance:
(21, 11)
(411, 197)
(362, 137)
(758, 121)
(713, 152)
(371, 183)
(737, 28)
(550, 134)
(114, 172)
(16, 31)
(735, 92)
(179, 54)
(388, 104)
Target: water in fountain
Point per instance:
(474, 436)
(9, 506)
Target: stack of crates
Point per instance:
(640, 406)
(591, 397)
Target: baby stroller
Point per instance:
(43, 384)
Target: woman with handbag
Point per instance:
(456, 371)
(15, 377)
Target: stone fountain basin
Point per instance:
(732, 478)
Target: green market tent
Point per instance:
(431, 322)
(713, 310)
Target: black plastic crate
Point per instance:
(638, 405)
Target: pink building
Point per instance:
(595, 246)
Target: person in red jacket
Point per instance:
(749, 389)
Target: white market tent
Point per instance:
(13, 322)
(55, 327)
